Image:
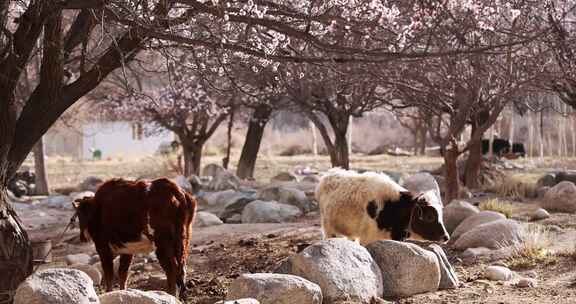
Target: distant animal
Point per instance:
(500, 146)
(518, 150)
(129, 217)
(370, 206)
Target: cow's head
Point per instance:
(84, 210)
(426, 220)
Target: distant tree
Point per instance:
(189, 106)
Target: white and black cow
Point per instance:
(370, 206)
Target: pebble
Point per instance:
(540, 214)
(527, 283)
(498, 273)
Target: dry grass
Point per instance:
(497, 205)
(533, 250)
(515, 186)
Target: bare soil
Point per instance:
(221, 253)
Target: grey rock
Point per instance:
(138, 297)
(422, 182)
(58, 201)
(540, 214)
(206, 219)
(91, 183)
(56, 286)
(565, 176)
(474, 253)
(561, 197)
(272, 288)
(284, 177)
(80, 258)
(313, 179)
(269, 212)
(420, 269)
(548, 180)
(527, 283)
(196, 183)
(541, 191)
(90, 270)
(213, 170)
(184, 183)
(475, 220)
(493, 235)
(216, 202)
(448, 276)
(236, 206)
(234, 219)
(289, 196)
(456, 212)
(343, 269)
(498, 273)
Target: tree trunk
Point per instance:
(226, 159)
(192, 158)
(452, 182)
(40, 169)
(15, 249)
(473, 165)
(339, 156)
(251, 146)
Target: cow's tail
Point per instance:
(186, 206)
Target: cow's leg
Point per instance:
(107, 260)
(125, 261)
(167, 258)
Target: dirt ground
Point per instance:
(221, 253)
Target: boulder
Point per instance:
(540, 214)
(343, 269)
(288, 196)
(269, 212)
(475, 220)
(565, 176)
(222, 179)
(90, 270)
(273, 288)
(82, 194)
(235, 207)
(138, 297)
(80, 258)
(91, 183)
(216, 202)
(548, 180)
(493, 235)
(541, 191)
(58, 201)
(561, 198)
(56, 286)
(498, 273)
(206, 219)
(196, 183)
(475, 253)
(213, 170)
(448, 276)
(407, 269)
(456, 212)
(422, 182)
(184, 183)
(283, 177)
(312, 179)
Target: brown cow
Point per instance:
(126, 217)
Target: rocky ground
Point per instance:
(220, 253)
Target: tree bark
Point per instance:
(473, 165)
(249, 155)
(339, 156)
(40, 169)
(226, 159)
(192, 158)
(15, 249)
(452, 180)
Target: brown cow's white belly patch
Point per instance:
(145, 245)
